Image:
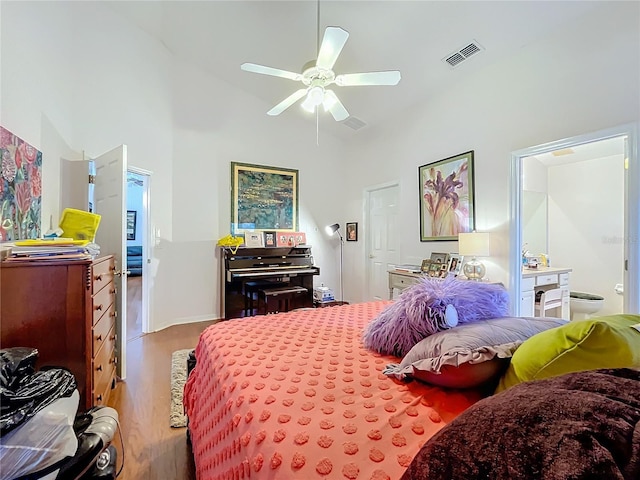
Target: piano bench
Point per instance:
(280, 299)
(253, 288)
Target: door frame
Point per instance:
(146, 243)
(631, 210)
(367, 222)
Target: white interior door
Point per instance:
(382, 241)
(111, 204)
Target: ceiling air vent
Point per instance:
(456, 58)
(354, 122)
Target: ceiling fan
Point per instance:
(317, 75)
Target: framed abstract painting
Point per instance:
(446, 198)
(263, 198)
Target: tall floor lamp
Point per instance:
(332, 230)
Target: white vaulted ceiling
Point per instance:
(411, 36)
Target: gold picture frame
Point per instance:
(263, 198)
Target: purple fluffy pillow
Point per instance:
(419, 312)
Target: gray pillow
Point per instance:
(469, 355)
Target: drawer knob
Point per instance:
(112, 291)
(98, 278)
(113, 337)
(98, 307)
(99, 338)
(99, 399)
(99, 368)
(112, 314)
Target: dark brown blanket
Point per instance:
(578, 426)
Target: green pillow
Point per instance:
(602, 342)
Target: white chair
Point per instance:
(550, 299)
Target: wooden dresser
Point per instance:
(65, 309)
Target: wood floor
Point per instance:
(152, 449)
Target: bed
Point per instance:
(297, 395)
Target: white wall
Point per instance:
(586, 226)
(581, 79)
(103, 82)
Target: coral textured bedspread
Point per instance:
(297, 396)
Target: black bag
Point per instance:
(23, 391)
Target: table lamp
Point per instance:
(474, 244)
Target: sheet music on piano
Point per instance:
(280, 266)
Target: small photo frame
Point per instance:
(131, 224)
(434, 269)
(254, 239)
(455, 264)
(439, 258)
(426, 264)
(269, 238)
(352, 232)
(444, 270)
(300, 238)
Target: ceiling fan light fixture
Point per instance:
(316, 95)
(329, 102)
(308, 105)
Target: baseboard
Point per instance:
(187, 320)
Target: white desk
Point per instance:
(402, 280)
(544, 278)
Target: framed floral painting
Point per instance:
(446, 198)
(20, 188)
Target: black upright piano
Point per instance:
(261, 267)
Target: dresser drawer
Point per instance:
(104, 360)
(103, 388)
(102, 301)
(401, 281)
(102, 328)
(527, 283)
(102, 274)
(546, 279)
(564, 278)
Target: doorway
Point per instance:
(618, 161)
(382, 240)
(138, 181)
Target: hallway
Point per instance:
(134, 308)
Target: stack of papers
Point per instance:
(49, 249)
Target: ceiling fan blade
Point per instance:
(276, 72)
(334, 105)
(332, 43)
(369, 78)
(287, 102)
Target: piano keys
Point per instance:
(265, 267)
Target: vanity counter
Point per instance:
(544, 278)
(534, 272)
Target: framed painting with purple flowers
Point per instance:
(446, 198)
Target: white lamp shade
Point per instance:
(475, 244)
